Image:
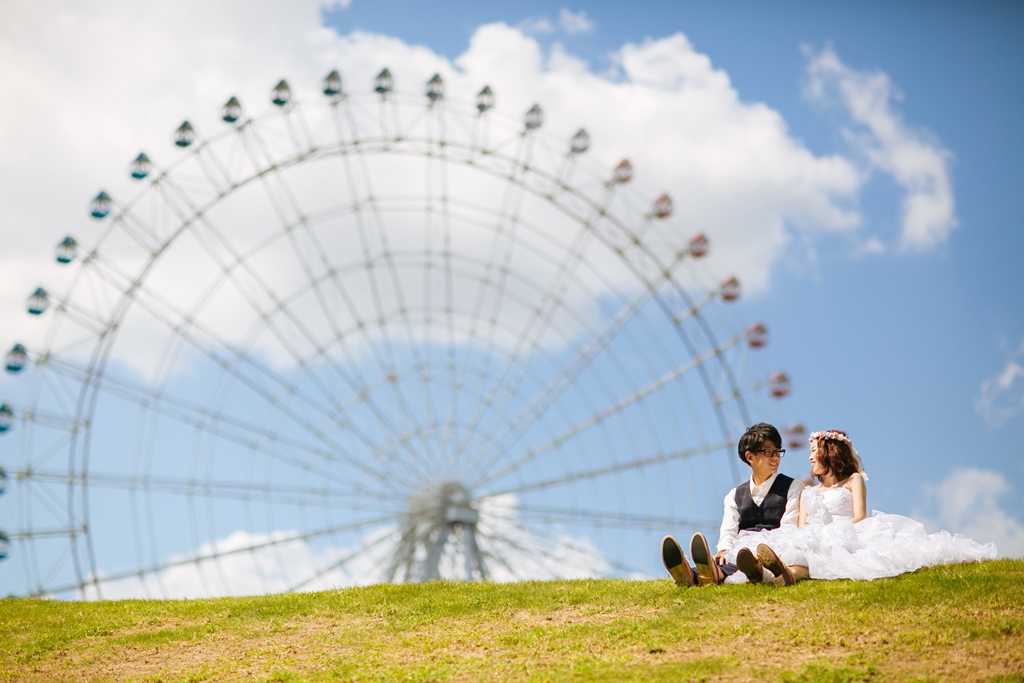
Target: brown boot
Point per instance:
(750, 565)
(708, 572)
(783, 574)
(675, 562)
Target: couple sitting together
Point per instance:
(776, 530)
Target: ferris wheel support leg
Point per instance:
(473, 557)
(431, 568)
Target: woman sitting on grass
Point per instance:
(835, 538)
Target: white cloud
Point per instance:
(575, 22)
(536, 26)
(570, 22)
(969, 504)
(99, 82)
(871, 246)
(239, 564)
(1001, 398)
(918, 162)
(244, 563)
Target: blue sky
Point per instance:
(893, 347)
(914, 345)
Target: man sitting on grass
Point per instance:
(767, 501)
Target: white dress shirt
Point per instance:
(731, 517)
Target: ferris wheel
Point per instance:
(373, 337)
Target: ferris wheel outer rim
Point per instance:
(100, 356)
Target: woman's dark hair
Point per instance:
(753, 439)
(836, 456)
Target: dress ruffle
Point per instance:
(831, 546)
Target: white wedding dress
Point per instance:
(831, 546)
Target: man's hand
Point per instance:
(720, 557)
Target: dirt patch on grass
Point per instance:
(582, 615)
(221, 655)
(735, 636)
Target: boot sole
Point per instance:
(768, 558)
(702, 558)
(749, 565)
(674, 561)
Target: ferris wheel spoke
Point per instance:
(179, 322)
(508, 377)
(320, 497)
(323, 135)
(54, 448)
(428, 271)
(492, 558)
(438, 159)
(498, 268)
(228, 267)
(35, 534)
(214, 554)
(547, 537)
(553, 296)
(480, 130)
(537, 545)
(603, 415)
(214, 170)
(56, 421)
(353, 158)
(254, 438)
(552, 548)
(54, 505)
(736, 394)
(397, 287)
(616, 468)
(694, 310)
(551, 300)
(58, 562)
(605, 518)
(64, 429)
(231, 428)
(599, 340)
(299, 218)
(298, 131)
(585, 356)
(550, 393)
(386, 363)
(126, 221)
(62, 391)
(160, 309)
(361, 550)
(91, 324)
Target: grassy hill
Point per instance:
(956, 623)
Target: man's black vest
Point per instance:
(767, 515)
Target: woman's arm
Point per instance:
(860, 496)
(802, 519)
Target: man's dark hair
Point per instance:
(753, 439)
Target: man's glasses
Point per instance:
(771, 454)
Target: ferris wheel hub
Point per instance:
(448, 502)
(440, 518)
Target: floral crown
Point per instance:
(831, 435)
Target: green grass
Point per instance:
(962, 623)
